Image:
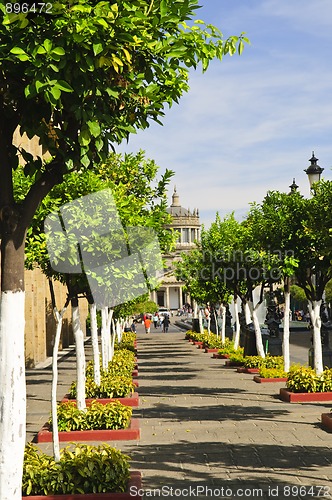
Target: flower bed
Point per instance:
(304, 397)
(82, 470)
(45, 435)
(96, 422)
(132, 400)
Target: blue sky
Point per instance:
(250, 123)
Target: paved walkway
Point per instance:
(209, 432)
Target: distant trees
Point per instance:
(284, 240)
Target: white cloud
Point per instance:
(250, 124)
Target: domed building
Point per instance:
(186, 223)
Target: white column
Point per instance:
(180, 297)
(167, 297)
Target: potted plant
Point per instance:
(98, 422)
(83, 472)
(304, 385)
(235, 359)
(270, 375)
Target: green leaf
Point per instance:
(47, 45)
(17, 51)
(64, 86)
(97, 48)
(56, 92)
(58, 51)
(94, 128)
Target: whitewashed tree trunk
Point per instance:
(247, 313)
(314, 310)
(258, 333)
(80, 358)
(195, 310)
(200, 322)
(94, 342)
(119, 330)
(216, 322)
(111, 340)
(236, 335)
(223, 323)
(286, 334)
(12, 394)
(59, 319)
(104, 338)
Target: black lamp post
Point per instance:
(293, 187)
(313, 171)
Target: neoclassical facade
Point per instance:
(186, 223)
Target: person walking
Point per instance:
(155, 320)
(166, 324)
(147, 324)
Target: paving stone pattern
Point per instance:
(208, 431)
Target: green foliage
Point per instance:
(228, 348)
(305, 379)
(265, 372)
(127, 341)
(113, 415)
(111, 386)
(267, 362)
(89, 73)
(237, 358)
(135, 307)
(115, 382)
(298, 293)
(82, 469)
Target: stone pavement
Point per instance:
(208, 431)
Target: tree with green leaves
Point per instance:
(139, 206)
(81, 76)
(277, 224)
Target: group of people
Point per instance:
(161, 321)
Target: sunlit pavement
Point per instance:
(210, 432)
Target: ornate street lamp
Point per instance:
(313, 171)
(293, 187)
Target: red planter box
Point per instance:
(326, 419)
(220, 356)
(132, 400)
(134, 373)
(135, 481)
(232, 364)
(197, 342)
(303, 397)
(131, 433)
(261, 380)
(243, 369)
(211, 349)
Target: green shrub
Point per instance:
(82, 469)
(265, 372)
(305, 379)
(228, 348)
(253, 361)
(237, 357)
(111, 386)
(269, 361)
(113, 415)
(127, 341)
(123, 363)
(273, 361)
